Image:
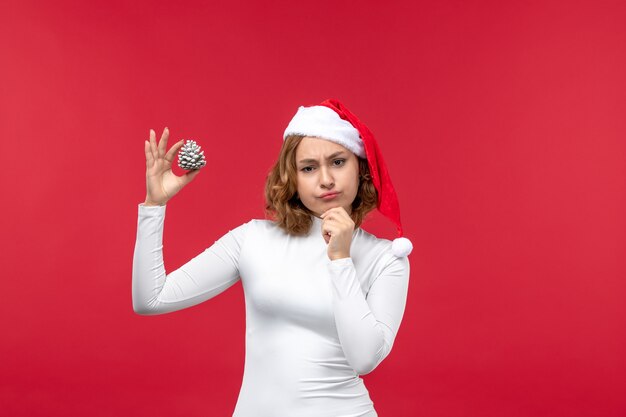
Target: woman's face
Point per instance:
(326, 167)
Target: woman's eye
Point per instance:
(310, 168)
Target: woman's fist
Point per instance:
(337, 230)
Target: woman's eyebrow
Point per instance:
(331, 156)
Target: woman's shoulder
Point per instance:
(262, 223)
(256, 225)
(371, 240)
(374, 248)
(242, 232)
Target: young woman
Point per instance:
(324, 298)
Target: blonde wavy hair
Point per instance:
(285, 208)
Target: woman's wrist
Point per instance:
(149, 203)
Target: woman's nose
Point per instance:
(326, 179)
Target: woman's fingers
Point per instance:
(336, 213)
(190, 175)
(149, 157)
(169, 157)
(157, 150)
(153, 145)
(163, 142)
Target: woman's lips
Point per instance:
(329, 196)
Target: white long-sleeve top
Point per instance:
(313, 325)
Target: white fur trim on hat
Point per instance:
(322, 122)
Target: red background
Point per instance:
(503, 127)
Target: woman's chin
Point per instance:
(334, 204)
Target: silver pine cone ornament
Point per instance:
(190, 156)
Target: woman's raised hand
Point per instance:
(161, 183)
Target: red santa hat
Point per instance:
(331, 120)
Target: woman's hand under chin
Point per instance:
(337, 230)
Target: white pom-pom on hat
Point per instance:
(401, 247)
(331, 120)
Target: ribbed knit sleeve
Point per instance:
(154, 291)
(367, 326)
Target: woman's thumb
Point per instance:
(190, 175)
